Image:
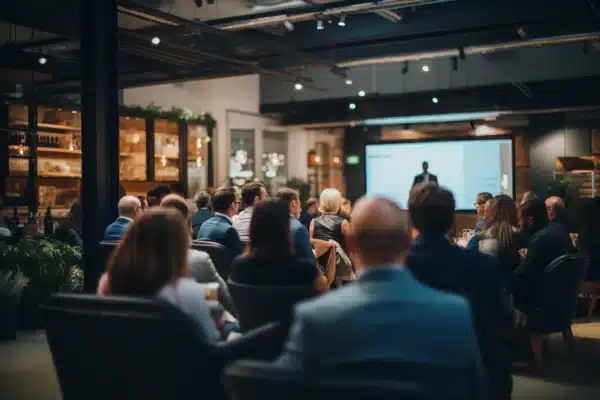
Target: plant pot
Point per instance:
(9, 319)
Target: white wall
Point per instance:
(233, 102)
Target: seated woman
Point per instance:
(330, 226)
(68, 230)
(269, 259)
(500, 236)
(151, 261)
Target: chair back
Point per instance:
(556, 302)
(218, 254)
(259, 305)
(107, 248)
(325, 253)
(122, 347)
(252, 380)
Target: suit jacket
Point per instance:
(477, 277)
(386, 315)
(200, 217)
(203, 271)
(421, 177)
(116, 230)
(547, 244)
(302, 244)
(219, 229)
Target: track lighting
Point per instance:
(435, 100)
(42, 60)
(155, 40)
(348, 82)
(288, 25)
(425, 68)
(361, 93)
(342, 21)
(352, 106)
(298, 86)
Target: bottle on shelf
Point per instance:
(48, 223)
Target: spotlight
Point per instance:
(42, 60)
(425, 68)
(288, 25)
(352, 106)
(320, 26)
(361, 93)
(348, 82)
(405, 68)
(435, 100)
(342, 21)
(298, 86)
(156, 40)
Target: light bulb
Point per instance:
(362, 93)
(156, 40)
(298, 86)
(352, 106)
(425, 68)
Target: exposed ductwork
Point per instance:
(593, 36)
(368, 6)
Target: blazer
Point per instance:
(421, 177)
(302, 245)
(441, 265)
(116, 230)
(204, 271)
(385, 315)
(219, 229)
(200, 217)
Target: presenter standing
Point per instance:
(425, 176)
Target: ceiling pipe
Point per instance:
(368, 6)
(474, 50)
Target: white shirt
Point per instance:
(426, 177)
(127, 218)
(224, 215)
(241, 223)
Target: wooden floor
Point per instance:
(26, 370)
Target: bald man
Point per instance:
(386, 314)
(129, 208)
(555, 207)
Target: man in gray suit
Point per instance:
(386, 314)
(199, 262)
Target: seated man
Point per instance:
(386, 314)
(219, 228)
(302, 245)
(129, 209)
(201, 266)
(252, 193)
(204, 212)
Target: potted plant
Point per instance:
(11, 287)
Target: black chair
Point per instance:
(259, 305)
(117, 347)
(218, 254)
(251, 380)
(556, 302)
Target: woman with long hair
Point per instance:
(270, 259)
(500, 236)
(69, 229)
(151, 261)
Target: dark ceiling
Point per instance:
(261, 43)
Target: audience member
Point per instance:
(200, 265)
(129, 209)
(143, 202)
(302, 244)
(219, 228)
(69, 228)
(204, 213)
(156, 195)
(384, 315)
(527, 196)
(151, 261)
(549, 240)
(252, 193)
(270, 258)
(310, 211)
(500, 236)
(480, 203)
(345, 209)
(555, 208)
(477, 277)
(177, 188)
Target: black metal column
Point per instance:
(32, 142)
(210, 168)
(100, 134)
(183, 156)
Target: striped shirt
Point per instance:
(241, 223)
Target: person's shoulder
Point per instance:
(197, 255)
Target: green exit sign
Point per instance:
(352, 160)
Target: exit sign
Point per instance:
(352, 160)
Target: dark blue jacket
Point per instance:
(200, 217)
(219, 229)
(116, 230)
(302, 244)
(477, 277)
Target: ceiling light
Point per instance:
(348, 82)
(435, 100)
(320, 26)
(352, 106)
(298, 86)
(156, 40)
(362, 93)
(288, 25)
(342, 21)
(42, 60)
(425, 68)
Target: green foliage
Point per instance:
(175, 114)
(301, 186)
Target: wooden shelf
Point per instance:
(60, 175)
(53, 150)
(167, 157)
(43, 125)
